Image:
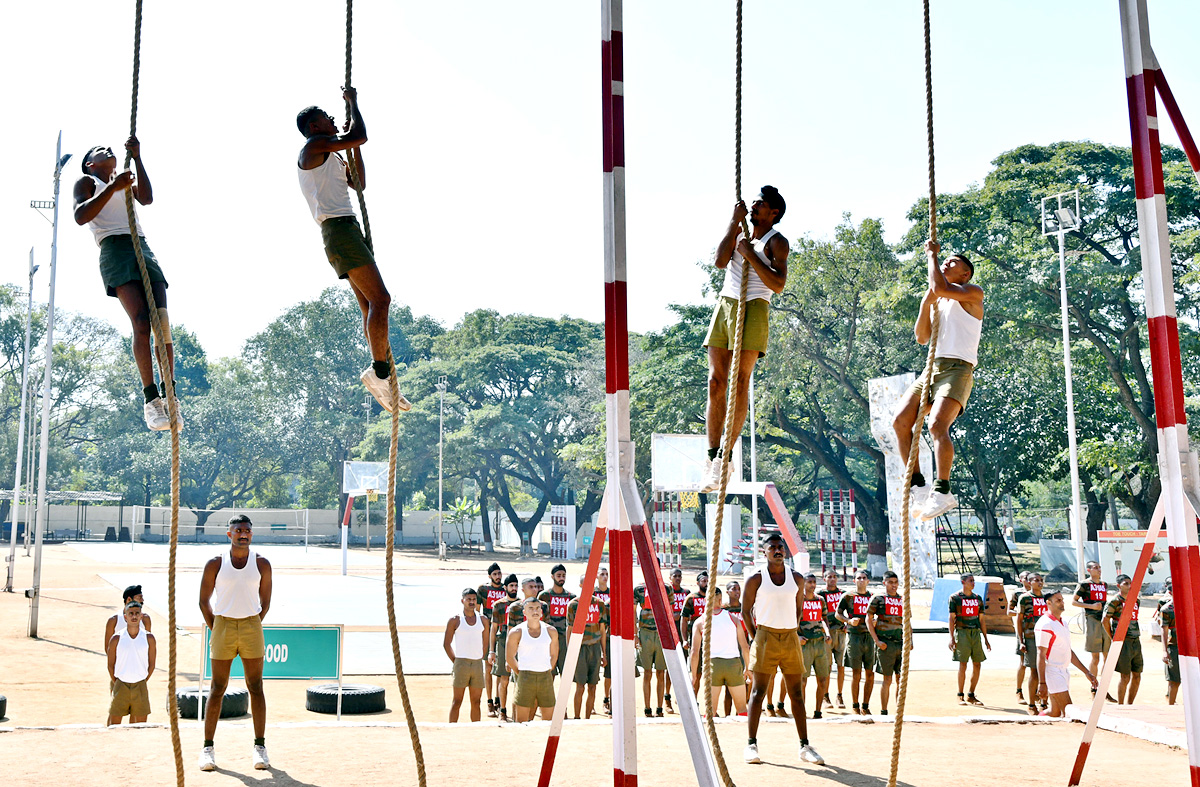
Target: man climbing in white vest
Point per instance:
(235, 594)
(960, 307)
(767, 253)
(100, 204)
(325, 180)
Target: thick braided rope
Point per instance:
(354, 176)
(926, 404)
(165, 371)
(710, 724)
(394, 391)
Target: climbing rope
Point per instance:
(727, 437)
(394, 391)
(168, 377)
(926, 404)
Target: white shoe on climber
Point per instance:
(381, 390)
(155, 412)
(939, 503)
(917, 498)
(712, 476)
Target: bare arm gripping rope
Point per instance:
(727, 437)
(926, 403)
(167, 374)
(394, 390)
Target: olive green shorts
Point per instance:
(1029, 656)
(776, 649)
(118, 263)
(344, 245)
(816, 657)
(952, 379)
(236, 637)
(722, 329)
(728, 672)
(129, 699)
(888, 662)
(535, 689)
(587, 668)
(1130, 659)
(650, 652)
(468, 673)
(500, 667)
(968, 645)
(837, 645)
(860, 653)
(1172, 668)
(1095, 638)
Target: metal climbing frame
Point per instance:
(667, 528)
(952, 549)
(837, 531)
(1177, 463)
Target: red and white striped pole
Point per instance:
(1176, 463)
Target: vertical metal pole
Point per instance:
(368, 523)
(43, 509)
(1078, 526)
(753, 469)
(31, 484)
(16, 504)
(441, 425)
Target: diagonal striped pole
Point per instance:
(1181, 128)
(1176, 463)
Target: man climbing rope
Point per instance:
(767, 253)
(960, 306)
(98, 206)
(771, 612)
(325, 180)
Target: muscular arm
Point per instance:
(264, 586)
(110, 628)
(208, 581)
(694, 659)
(89, 201)
(966, 294)
(448, 640)
(871, 629)
(143, 192)
(773, 275)
(362, 172)
(553, 644)
(111, 647)
(729, 240)
(151, 652)
(313, 154)
(510, 650)
(748, 597)
(923, 328)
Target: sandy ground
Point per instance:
(60, 679)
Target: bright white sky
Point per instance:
(484, 121)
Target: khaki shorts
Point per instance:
(816, 657)
(1029, 657)
(650, 652)
(236, 637)
(722, 329)
(500, 667)
(728, 672)
(1095, 638)
(952, 379)
(888, 662)
(837, 645)
(1130, 659)
(776, 649)
(468, 673)
(344, 245)
(587, 668)
(535, 689)
(860, 653)
(129, 699)
(968, 645)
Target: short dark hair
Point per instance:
(890, 575)
(810, 575)
(470, 592)
(963, 259)
(731, 583)
(83, 163)
(716, 590)
(678, 571)
(702, 574)
(1123, 578)
(557, 568)
(511, 578)
(493, 567)
(774, 200)
(862, 572)
(305, 116)
(774, 535)
(240, 519)
(130, 592)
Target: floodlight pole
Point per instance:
(441, 386)
(16, 505)
(1078, 525)
(43, 507)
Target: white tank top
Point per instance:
(133, 656)
(724, 636)
(775, 605)
(533, 653)
(236, 592)
(326, 190)
(112, 219)
(958, 332)
(733, 273)
(468, 639)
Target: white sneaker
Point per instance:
(751, 754)
(918, 497)
(381, 390)
(809, 754)
(155, 413)
(938, 504)
(261, 761)
(208, 759)
(712, 476)
(178, 414)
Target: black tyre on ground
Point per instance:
(356, 698)
(3, 706)
(235, 703)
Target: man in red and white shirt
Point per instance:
(1054, 655)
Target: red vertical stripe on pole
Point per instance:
(1166, 363)
(606, 118)
(616, 337)
(1185, 568)
(1143, 169)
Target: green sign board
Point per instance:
(292, 652)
